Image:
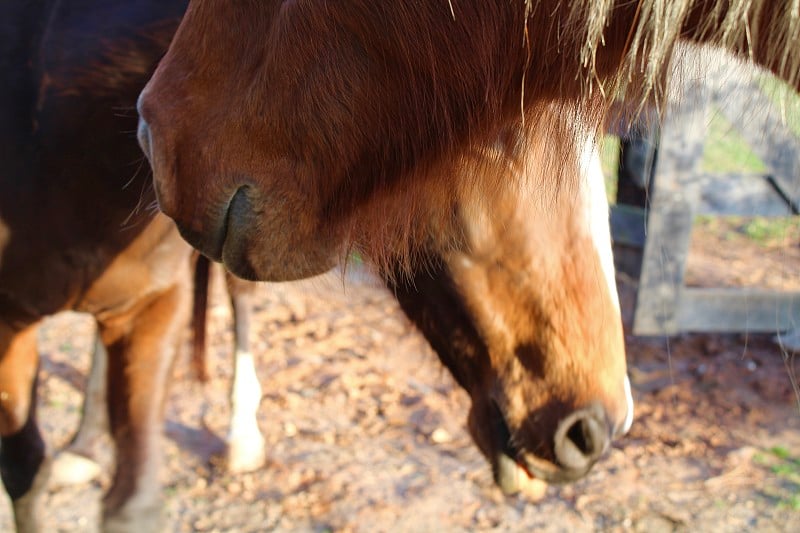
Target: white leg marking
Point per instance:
(72, 469)
(246, 445)
(629, 398)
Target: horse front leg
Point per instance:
(141, 348)
(23, 457)
(246, 444)
(77, 462)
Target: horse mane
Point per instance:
(762, 31)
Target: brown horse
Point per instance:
(542, 376)
(284, 133)
(547, 381)
(75, 233)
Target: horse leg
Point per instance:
(77, 463)
(23, 457)
(141, 348)
(246, 445)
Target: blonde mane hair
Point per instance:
(762, 31)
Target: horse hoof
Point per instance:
(246, 455)
(73, 469)
(27, 512)
(134, 519)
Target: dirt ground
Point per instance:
(366, 431)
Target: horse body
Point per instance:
(77, 233)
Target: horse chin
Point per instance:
(277, 268)
(257, 240)
(512, 473)
(491, 434)
(516, 470)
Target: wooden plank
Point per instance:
(762, 126)
(628, 225)
(671, 214)
(738, 309)
(738, 195)
(663, 266)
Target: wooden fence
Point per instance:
(679, 190)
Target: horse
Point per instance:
(77, 232)
(493, 311)
(547, 380)
(282, 135)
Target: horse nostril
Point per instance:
(581, 438)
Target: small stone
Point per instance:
(440, 436)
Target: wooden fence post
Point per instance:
(671, 213)
(680, 190)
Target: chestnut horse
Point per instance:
(282, 134)
(547, 381)
(492, 309)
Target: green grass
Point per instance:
(726, 151)
(785, 100)
(785, 467)
(769, 231)
(766, 231)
